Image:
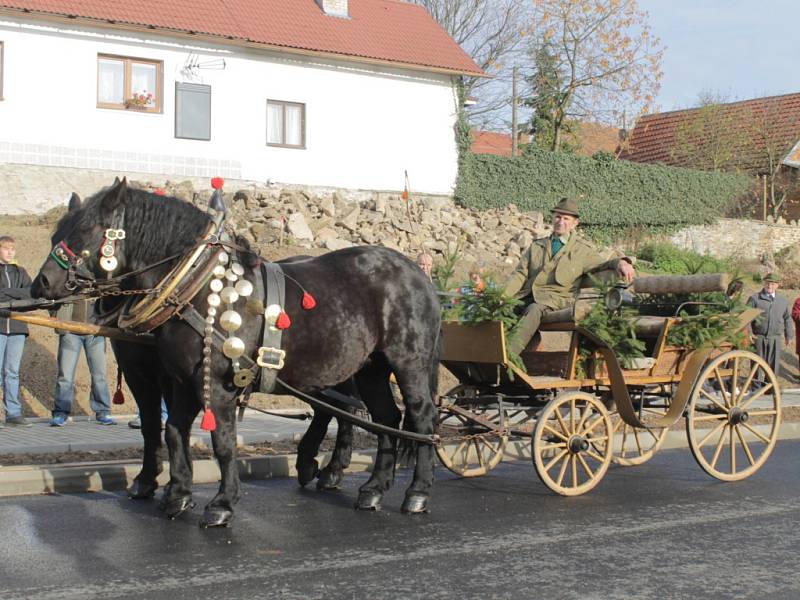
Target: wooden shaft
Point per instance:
(682, 284)
(83, 328)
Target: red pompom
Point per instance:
(308, 301)
(159, 192)
(119, 397)
(283, 321)
(404, 195)
(209, 422)
(217, 183)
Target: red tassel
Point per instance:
(217, 183)
(308, 301)
(209, 422)
(118, 398)
(159, 192)
(283, 321)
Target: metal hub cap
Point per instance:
(737, 415)
(577, 443)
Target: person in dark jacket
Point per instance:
(774, 326)
(12, 333)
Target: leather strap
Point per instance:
(275, 286)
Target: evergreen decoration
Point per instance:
(712, 324)
(490, 304)
(443, 273)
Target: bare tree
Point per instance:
(492, 33)
(606, 57)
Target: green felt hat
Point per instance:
(566, 206)
(772, 278)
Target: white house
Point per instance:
(343, 93)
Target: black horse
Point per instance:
(376, 313)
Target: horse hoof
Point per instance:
(329, 480)
(307, 473)
(415, 504)
(216, 517)
(176, 507)
(369, 500)
(142, 491)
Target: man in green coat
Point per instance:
(549, 274)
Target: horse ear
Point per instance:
(115, 196)
(116, 180)
(74, 202)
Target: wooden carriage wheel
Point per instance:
(472, 431)
(571, 444)
(734, 415)
(633, 446)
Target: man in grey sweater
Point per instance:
(774, 326)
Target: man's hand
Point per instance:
(626, 271)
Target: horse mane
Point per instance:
(155, 226)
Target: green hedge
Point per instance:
(618, 194)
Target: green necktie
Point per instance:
(555, 245)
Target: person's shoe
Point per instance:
(59, 420)
(105, 420)
(18, 421)
(135, 423)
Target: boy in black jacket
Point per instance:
(12, 333)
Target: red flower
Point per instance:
(217, 183)
(209, 422)
(283, 321)
(159, 192)
(308, 301)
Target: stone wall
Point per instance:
(738, 238)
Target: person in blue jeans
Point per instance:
(12, 333)
(69, 350)
(137, 422)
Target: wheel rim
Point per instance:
(734, 415)
(571, 443)
(468, 448)
(634, 446)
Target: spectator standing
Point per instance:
(12, 333)
(774, 326)
(69, 350)
(796, 319)
(425, 262)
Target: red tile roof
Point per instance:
(590, 136)
(653, 139)
(377, 30)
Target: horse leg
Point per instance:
(219, 511)
(183, 410)
(373, 383)
(147, 393)
(420, 417)
(331, 476)
(306, 464)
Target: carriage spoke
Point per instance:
(574, 465)
(711, 418)
(585, 466)
(479, 452)
(733, 450)
(591, 426)
(561, 422)
(734, 378)
(756, 396)
(714, 400)
(547, 447)
(572, 410)
(653, 435)
(747, 382)
(762, 413)
(556, 433)
(702, 442)
(595, 456)
(557, 458)
(586, 412)
(722, 389)
(624, 438)
(563, 470)
(756, 433)
(718, 449)
(745, 447)
(638, 441)
(458, 450)
(601, 438)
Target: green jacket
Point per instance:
(555, 282)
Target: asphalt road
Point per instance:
(660, 530)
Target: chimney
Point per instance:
(334, 8)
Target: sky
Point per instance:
(739, 48)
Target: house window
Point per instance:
(129, 83)
(192, 111)
(286, 124)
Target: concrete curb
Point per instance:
(118, 475)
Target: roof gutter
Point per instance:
(232, 41)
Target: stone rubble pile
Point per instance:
(269, 216)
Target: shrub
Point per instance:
(666, 258)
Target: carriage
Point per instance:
(574, 422)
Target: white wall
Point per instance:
(365, 125)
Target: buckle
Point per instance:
(270, 358)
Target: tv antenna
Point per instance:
(193, 64)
